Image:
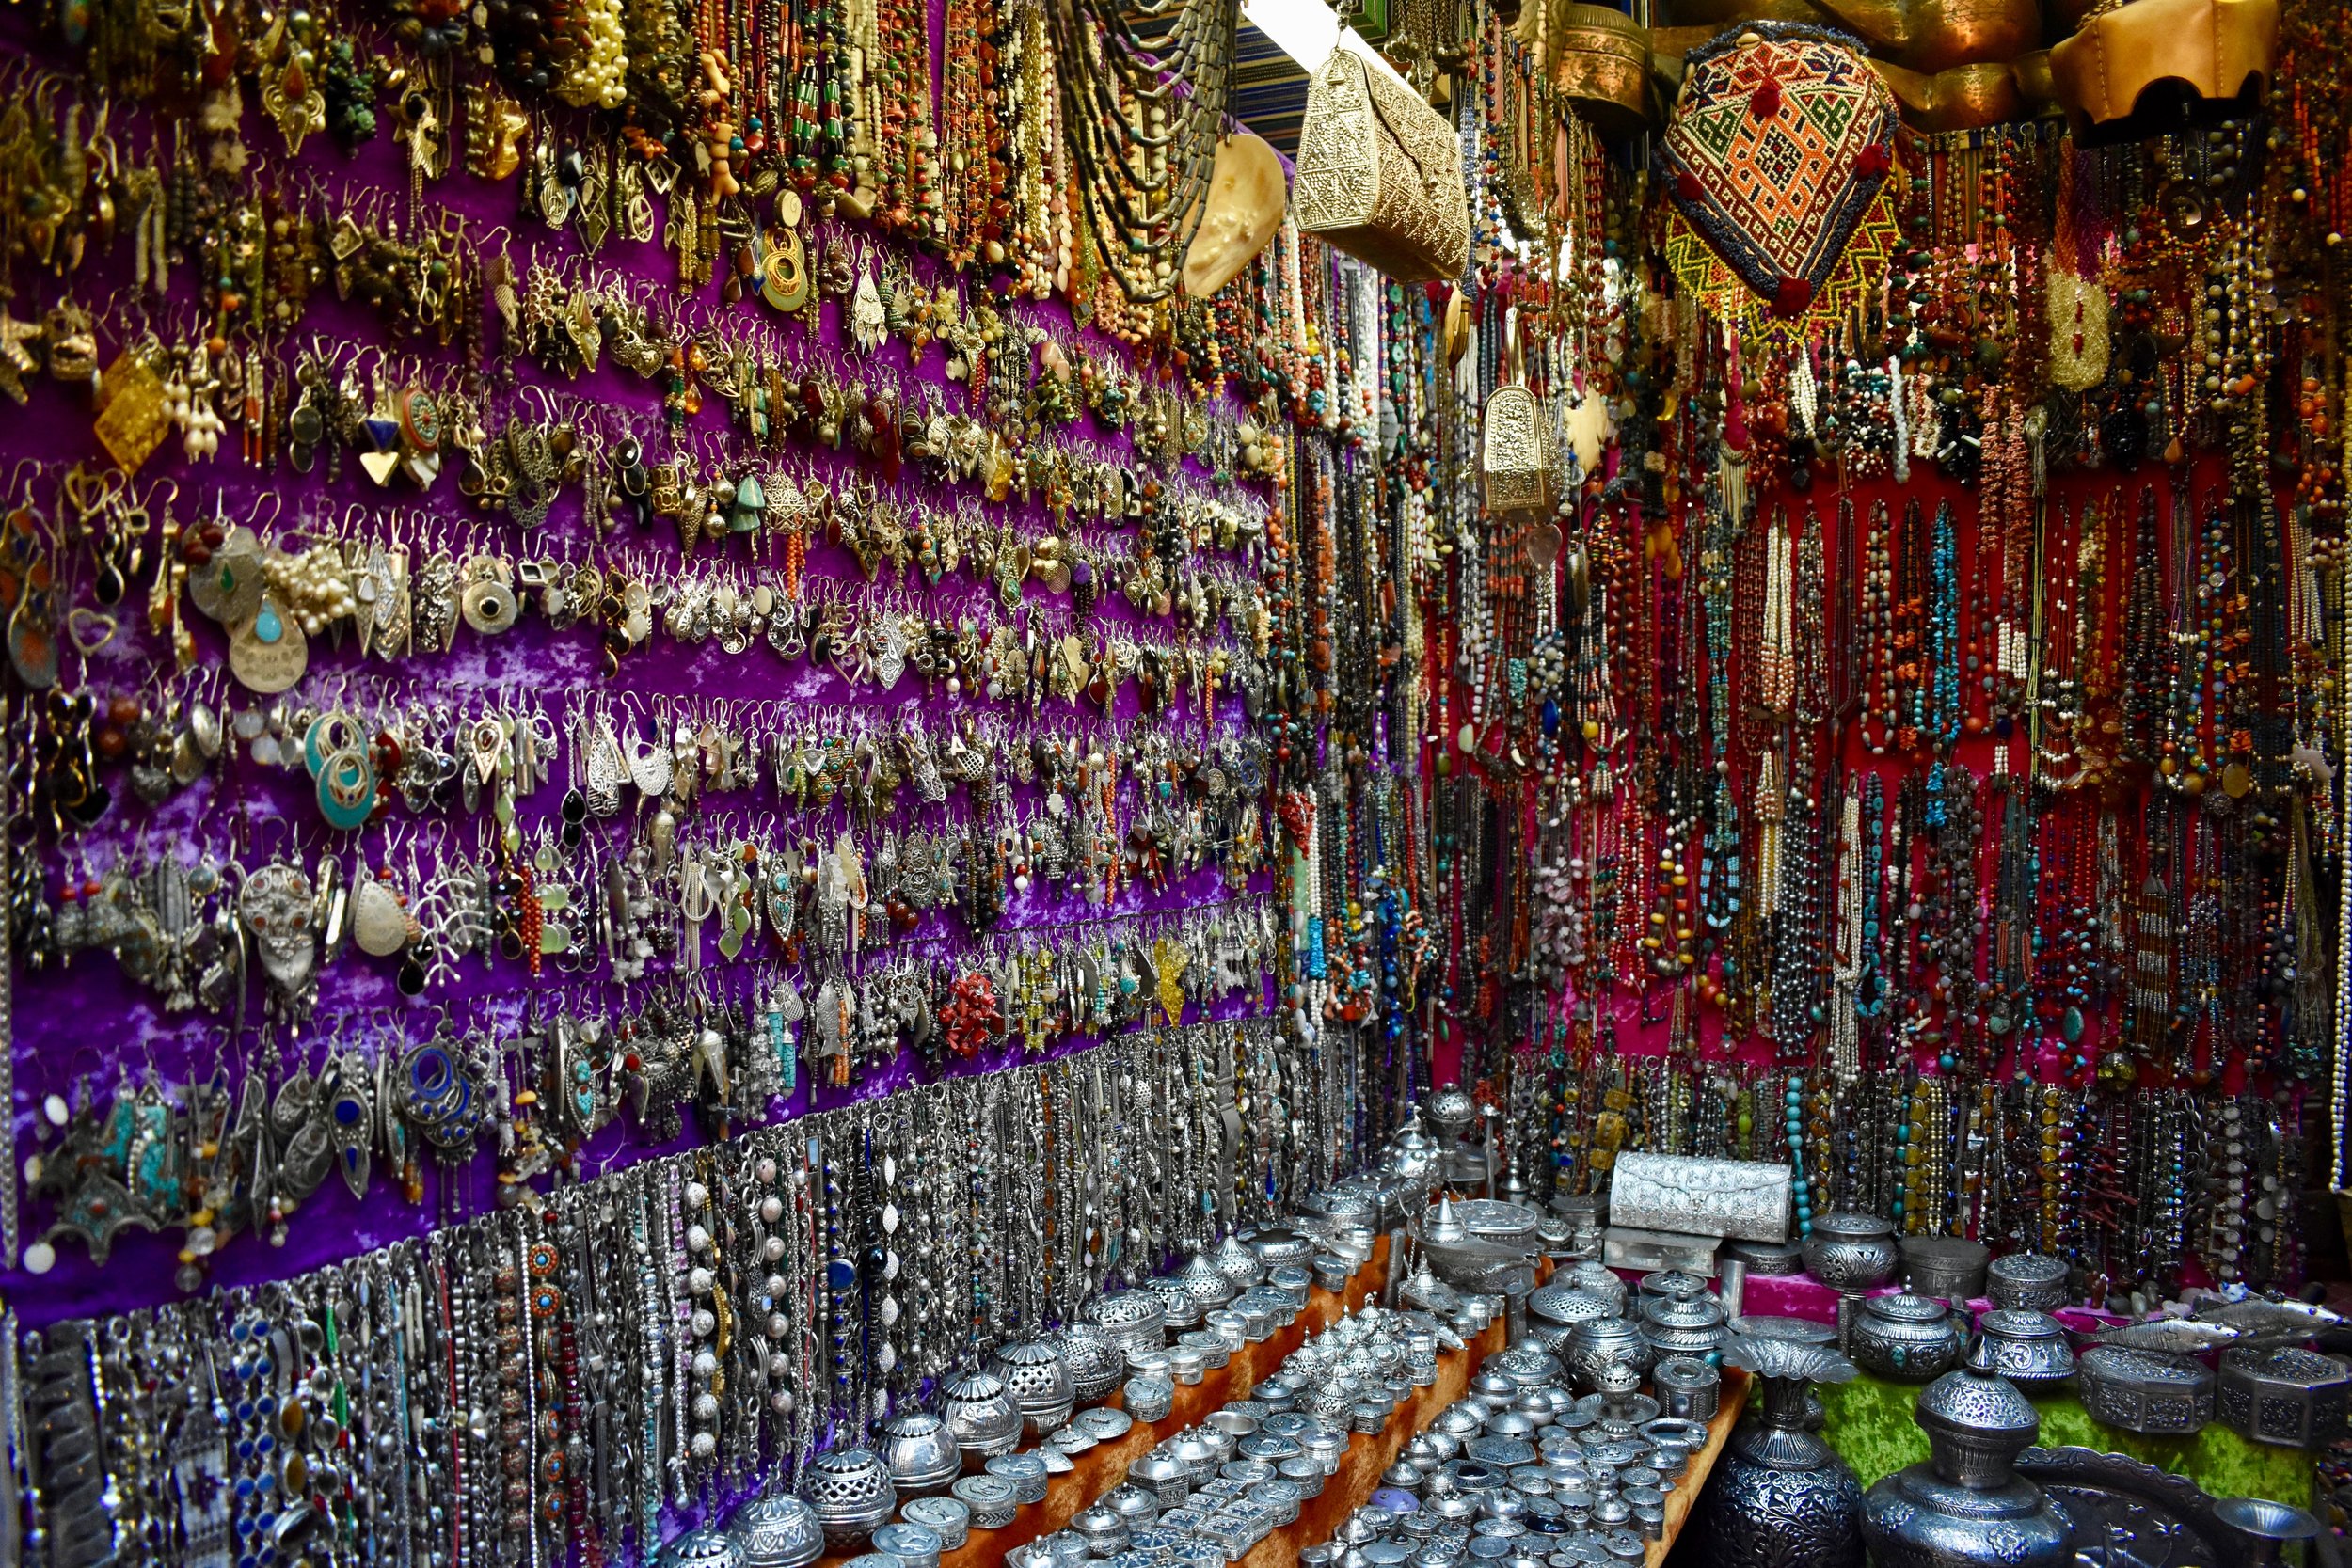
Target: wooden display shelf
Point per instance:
(1686, 1493)
(1105, 1466)
(1369, 1455)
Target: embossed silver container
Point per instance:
(851, 1493)
(2027, 1347)
(980, 1415)
(992, 1501)
(1601, 1341)
(1967, 1507)
(2145, 1391)
(1669, 1285)
(1688, 1386)
(1137, 1505)
(2034, 1280)
(1909, 1338)
(1294, 1280)
(776, 1530)
(947, 1518)
(921, 1453)
(1779, 1495)
(1096, 1361)
(1237, 1263)
(1683, 1325)
(1025, 1473)
(2289, 1396)
(912, 1545)
(1950, 1267)
(1554, 1311)
(1767, 1260)
(1137, 1319)
(1168, 1479)
(1850, 1251)
(701, 1548)
(1228, 1325)
(1037, 1378)
(1529, 1366)
(1149, 1397)
(1103, 1532)
(1205, 1285)
(1177, 1307)
(1697, 1195)
(1279, 1246)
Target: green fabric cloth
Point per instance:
(1870, 1422)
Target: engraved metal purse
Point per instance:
(1744, 1198)
(1381, 174)
(1514, 455)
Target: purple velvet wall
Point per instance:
(88, 1026)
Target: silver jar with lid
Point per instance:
(1683, 1325)
(1688, 1386)
(1909, 1338)
(2033, 1280)
(1096, 1361)
(2027, 1347)
(1037, 1378)
(776, 1530)
(1949, 1267)
(1136, 1320)
(851, 1493)
(980, 1415)
(921, 1453)
(1596, 1343)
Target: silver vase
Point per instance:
(1967, 1507)
(1780, 1497)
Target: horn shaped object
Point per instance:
(1246, 197)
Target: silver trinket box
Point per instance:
(2289, 1396)
(2145, 1391)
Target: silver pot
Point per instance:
(850, 1490)
(1169, 1479)
(701, 1548)
(1909, 1338)
(2027, 1279)
(776, 1530)
(1688, 1386)
(911, 1545)
(2027, 1347)
(1683, 1325)
(921, 1453)
(1177, 1307)
(1137, 1319)
(1236, 1262)
(1951, 1267)
(992, 1499)
(1849, 1251)
(1278, 1246)
(1205, 1285)
(1603, 1341)
(980, 1415)
(2145, 1391)
(945, 1517)
(1096, 1361)
(1038, 1380)
(1148, 1396)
